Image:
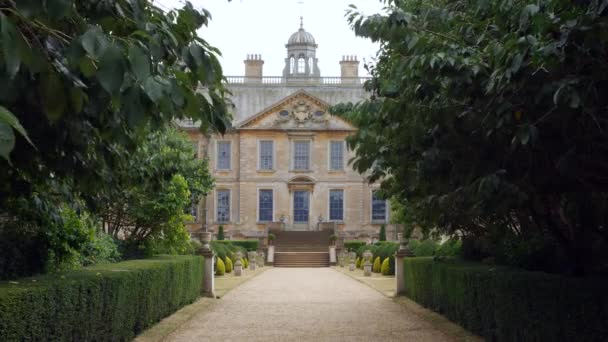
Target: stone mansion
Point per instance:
(284, 162)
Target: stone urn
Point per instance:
(205, 239)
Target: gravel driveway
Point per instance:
(306, 304)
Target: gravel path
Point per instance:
(306, 304)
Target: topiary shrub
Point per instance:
(245, 262)
(220, 233)
(220, 267)
(228, 265)
(382, 236)
(385, 269)
(358, 262)
(376, 268)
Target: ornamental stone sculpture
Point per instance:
(367, 266)
(252, 258)
(260, 259)
(343, 257)
(238, 264)
(351, 261)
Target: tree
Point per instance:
(382, 236)
(487, 118)
(83, 83)
(160, 180)
(84, 78)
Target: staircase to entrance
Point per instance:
(302, 249)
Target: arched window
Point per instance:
(310, 65)
(301, 65)
(292, 62)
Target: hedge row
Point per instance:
(354, 245)
(248, 245)
(504, 304)
(100, 303)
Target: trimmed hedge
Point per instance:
(248, 245)
(99, 303)
(354, 245)
(505, 304)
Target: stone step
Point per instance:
(301, 259)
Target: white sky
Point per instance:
(244, 27)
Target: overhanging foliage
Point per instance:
(489, 118)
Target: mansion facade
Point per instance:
(284, 161)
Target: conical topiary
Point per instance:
(385, 268)
(245, 263)
(358, 263)
(220, 233)
(382, 236)
(228, 265)
(220, 267)
(377, 265)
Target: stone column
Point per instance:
(367, 265)
(208, 286)
(400, 256)
(238, 264)
(270, 254)
(332, 255)
(252, 260)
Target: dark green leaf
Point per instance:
(58, 9)
(7, 141)
(111, 69)
(29, 8)
(52, 96)
(94, 42)
(10, 48)
(153, 89)
(140, 63)
(10, 119)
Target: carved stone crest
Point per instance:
(300, 113)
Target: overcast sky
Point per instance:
(244, 27)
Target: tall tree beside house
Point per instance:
(488, 118)
(83, 83)
(158, 184)
(382, 235)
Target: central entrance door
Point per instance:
(301, 205)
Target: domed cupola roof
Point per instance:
(301, 37)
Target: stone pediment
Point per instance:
(298, 111)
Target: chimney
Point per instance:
(349, 70)
(253, 69)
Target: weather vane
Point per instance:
(301, 3)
